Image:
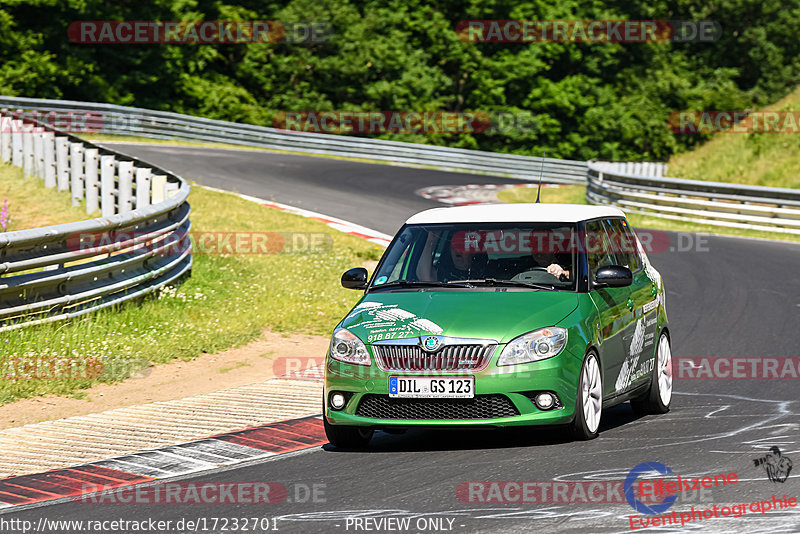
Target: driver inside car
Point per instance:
(557, 271)
(455, 264)
(461, 265)
(451, 265)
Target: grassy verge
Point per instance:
(30, 205)
(576, 194)
(229, 300)
(766, 159)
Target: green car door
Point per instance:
(637, 340)
(614, 306)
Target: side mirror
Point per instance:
(613, 276)
(356, 278)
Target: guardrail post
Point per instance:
(62, 164)
(76, 172)
(158, 182)
(170, 189)
(125, 187)
(16, 142)
(142, 187)
(38, 154)
(48, 159)
(5, 138)
(107, 207)
(27, 150)
(92, 193)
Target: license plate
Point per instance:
(424, 387)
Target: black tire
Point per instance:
(579, 429)
(347, 437)
(651, 402)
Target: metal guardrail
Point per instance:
(634, 186)
(123, 120)
(67, 270)
(771, 209)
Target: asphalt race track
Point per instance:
(725, 297)
(352, 191)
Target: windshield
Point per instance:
(533, 255)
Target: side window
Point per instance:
(598, 248)
(623, 243)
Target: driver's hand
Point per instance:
(555, 269)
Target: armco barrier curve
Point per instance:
(770, 209)
(67, 270)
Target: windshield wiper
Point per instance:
(496, 282)
(415, 283)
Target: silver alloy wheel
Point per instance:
(591, 383)
(664, 370)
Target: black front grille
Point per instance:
(448, 358)
(481, 407)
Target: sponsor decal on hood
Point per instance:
(498, 315)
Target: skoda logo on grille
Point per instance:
(431, 343)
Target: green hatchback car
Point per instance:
(500, 315)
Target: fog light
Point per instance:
(544, 401)
(337, 401)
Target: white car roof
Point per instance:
(561, 213)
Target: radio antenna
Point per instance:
(541, 170)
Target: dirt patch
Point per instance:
(257, 361)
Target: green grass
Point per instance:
(228, 301)
(563, 194)
(576, 194)
(765, 159)
(30, 205)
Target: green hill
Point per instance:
(768, 159)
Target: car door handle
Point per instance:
(630, 304)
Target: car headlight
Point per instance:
(346, 347)
(534, 346)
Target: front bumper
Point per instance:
(507, 387)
